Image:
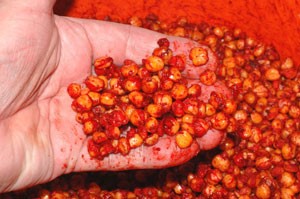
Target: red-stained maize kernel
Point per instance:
(179, 91)
(194, 90)
(154, 110)
(138, 99)
(166, 84)
(104, 79)
(191, 106)
(188, 118)
(177, 108)
(151, 139)
(208, 77)
(94, 83)
(150, 84)
(200, 127)
(151, 124)
(123, 146)
(219, 121)
(163, 52)
(199, 56)
(154, 63)
(138, 117)
(183, 139)
(164, 100)
(132, 84)
(175, 74)
(90, 127)
(163, 42)
(221, 163)
(135, 141)
(168, 125)
(129, 68)
(99, 137)
(108, 99)
(178, 62)
(74, 90)
(230, 106)
(115, 86)
(103, 62)
(272, 74)
(82, 104)
(95, 97)
(209, 109)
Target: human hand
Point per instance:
(40, 55)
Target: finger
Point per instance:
(163, 154)
(122, 41)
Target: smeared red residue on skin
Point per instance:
(176, 45)
(155, 150)
(181, 156)
(65, 166)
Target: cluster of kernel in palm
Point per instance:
(122, 108)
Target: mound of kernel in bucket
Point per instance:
(125, 107)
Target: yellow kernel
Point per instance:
(272, 74)
(183, 139)
(154, 64)
(135, 141)
(199, 56)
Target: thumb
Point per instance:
(121, 41)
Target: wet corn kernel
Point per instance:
(138, 117)
(82, 104)
(194, 90)
(123, 146)
(219, 121)
(177, 61)
(209, 109)
(152, 139)
(95, 97)
(132, 83)
(272, 74)
(103, 62)
(199, 56)
(208, 77)
(188, 118)
(154, 63)
(74, 90)
(168, 125)
(179, 91)
(129, 68)
(151, 124)
(99, 137)
(183, 139)
(138, 99)
(163, 52)
(187, 127)
(108, 99)
(94, 83)
(164, 100)
(154, 110)
(150, 84)
(135, 141)
(90, 127)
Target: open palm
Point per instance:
(40, 54)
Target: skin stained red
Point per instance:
(64, 166)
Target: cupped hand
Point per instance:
(40, 54)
